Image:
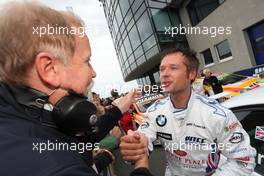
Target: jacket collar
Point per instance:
(27, 103)
(177, 110)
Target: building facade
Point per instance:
(228, 35)
(241, 48)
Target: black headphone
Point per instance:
(71, 114)
(74, 113)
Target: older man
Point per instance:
(212, 81)
(42, 103)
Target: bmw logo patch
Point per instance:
(161, 120)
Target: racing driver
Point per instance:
(195, 131)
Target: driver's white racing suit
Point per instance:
(195, 138)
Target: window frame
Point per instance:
(202, 54)
(191, 8)
(217, 51)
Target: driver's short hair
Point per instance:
(192, 62)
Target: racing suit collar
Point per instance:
(174, 109)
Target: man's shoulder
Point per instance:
(25, 151)
(211, 107)
(214, 78)
(158, 105)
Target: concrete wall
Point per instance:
(240, 15)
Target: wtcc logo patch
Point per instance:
(194, 140)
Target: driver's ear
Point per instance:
(47, 68)
(192, 74)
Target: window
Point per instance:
(118, 37)
(155, 4)
(143, 81)
(131, 59)
(108, 2)
(126, 64)
(119, 17)
(147, 80)
(131, 23)
(133, 66)
(120, 58)
(199, 9)
(151, 52)
(134, 38)
(124, 34)
(123, 52)
(223, 50)
(174, 16)
(157, 77)
(139, 11)
(149, 43)
(122, 69)
(161, 19)
(131, 1)
(124, 5)
(115, 25)
(122, 28)
(250, 118)
(141, 60)
(139, 82)
(138, 52)
(144, 26)
(127, 46)
(128, 70)
(136, 5)
(128, 17)
(207, 56)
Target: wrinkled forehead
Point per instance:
(82, 47)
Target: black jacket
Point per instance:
(23, 131)
(141, 172)
(215, 83)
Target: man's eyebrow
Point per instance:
(169, 65)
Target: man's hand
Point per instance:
(133, 147)
(116, 132)
(123, 103)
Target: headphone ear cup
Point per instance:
(72, 114)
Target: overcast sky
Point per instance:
(104, 59)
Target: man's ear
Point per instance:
(47, 67)
(192, 74)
